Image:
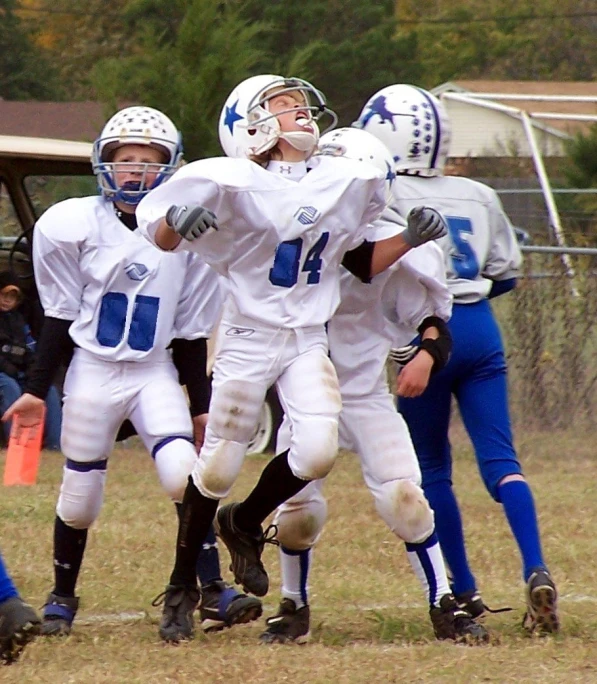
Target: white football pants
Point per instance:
(248, 361)
(98, 396)
(372, 428)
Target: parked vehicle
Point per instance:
(34, 174)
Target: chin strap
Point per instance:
(304, 141)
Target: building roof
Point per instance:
(80, 121)
(538, 89)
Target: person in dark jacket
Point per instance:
(17, 350)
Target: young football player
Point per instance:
(413, 293)
(121, 304)
(278, 234)
(482, 259)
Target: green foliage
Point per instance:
(184, 56)
(78, 35)
(187, 61)
(189, 74)
(295, 25)
(579, 170)
(162, 18)
(501, 40)
(349, 49)
(45, 191)
(25, 72)
(350, 71)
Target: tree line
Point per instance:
(184, 56)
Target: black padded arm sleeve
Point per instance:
(441, 348)
(54, 348)
(190, 359)
(358, 261)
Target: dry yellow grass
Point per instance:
(369, 618)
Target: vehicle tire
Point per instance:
(270, 418)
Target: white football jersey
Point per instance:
(127, 299)
(280, 239)
(481, 245)
(373, 317)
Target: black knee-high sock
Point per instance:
(208, 561)
(69, 547)
(276, 484)
(196, 517)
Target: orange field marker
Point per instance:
(23, 453)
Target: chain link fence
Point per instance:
(549, 325)
(525, 204)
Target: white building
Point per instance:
(487, 121)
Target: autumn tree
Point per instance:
(186, 70)
(348, 48)
(579, 170)
(25, 70)
(542, 39)
(78, 35)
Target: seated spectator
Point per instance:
(17, 349)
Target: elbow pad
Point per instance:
(358, 261)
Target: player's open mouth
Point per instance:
(131, 186)
(304, 122)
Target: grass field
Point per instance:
(369, 619)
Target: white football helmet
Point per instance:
(247, 128)
(414, 126)
(354, 143)
(135, 126)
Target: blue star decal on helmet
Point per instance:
(231, 116)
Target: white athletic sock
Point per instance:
(428, 563)
(294, 566)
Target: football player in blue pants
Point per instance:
(482, 259)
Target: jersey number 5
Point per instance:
(287, 260)
(112, 321)
(464, 260)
